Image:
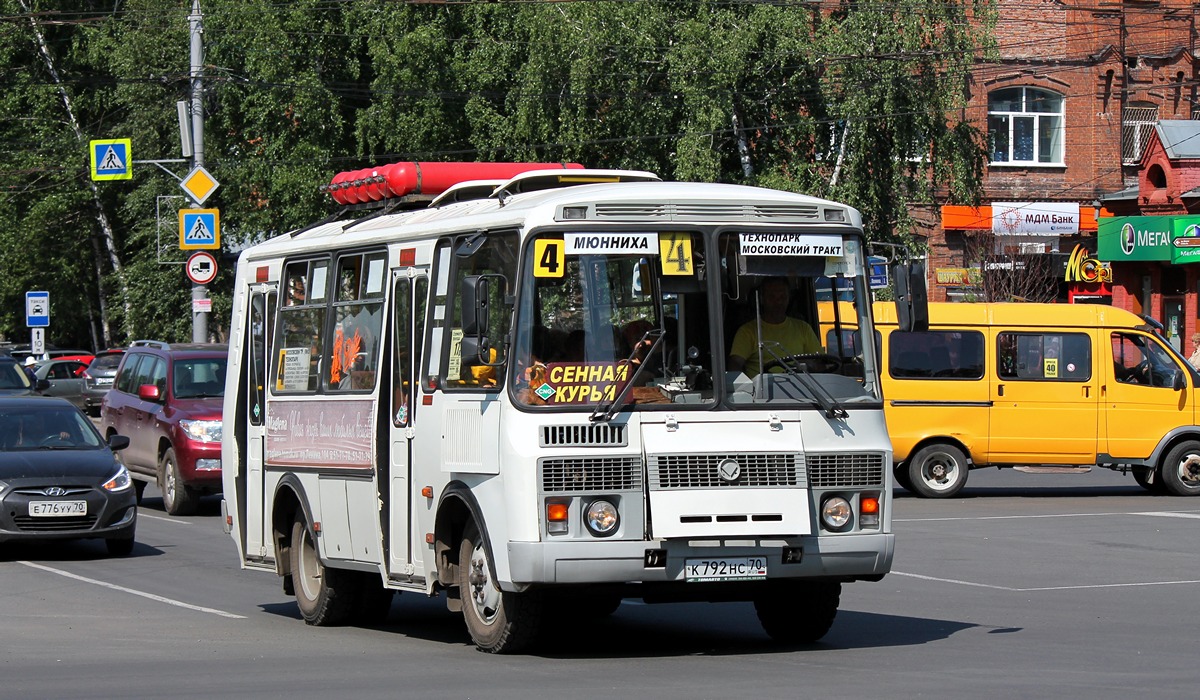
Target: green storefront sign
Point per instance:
(1173, 239)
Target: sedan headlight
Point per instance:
(202, 430)
(836, 513)
(120, 481)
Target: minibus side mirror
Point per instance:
(912, 302)
(1179, 381)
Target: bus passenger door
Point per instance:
(260, 323)
(409, 297)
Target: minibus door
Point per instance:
(1045, 398)
(1141, 403)
(260, 331)
(409, 294)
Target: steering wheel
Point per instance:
(818, 362)
(53, 440)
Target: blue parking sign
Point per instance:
(199, 228)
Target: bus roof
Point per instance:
(607, 203)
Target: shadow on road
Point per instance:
(638, 630)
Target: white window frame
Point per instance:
(1024, 115)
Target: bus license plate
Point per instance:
(57, 509)
(725, 569)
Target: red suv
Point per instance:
(166, 398)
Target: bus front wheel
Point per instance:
(1181, 469)
(938, 471)
(500, 622)
(325, 596)
(799, 612)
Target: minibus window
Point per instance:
(1044, 356)
(936, 355)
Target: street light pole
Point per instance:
(195, 23)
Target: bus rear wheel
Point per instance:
(1181, 469)
(938, 471)
(325, 596)
(499, 622)
(798, 612)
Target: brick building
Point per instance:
(1069, 109)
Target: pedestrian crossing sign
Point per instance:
(199, 228)
(111, 159)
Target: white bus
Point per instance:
(515, 395)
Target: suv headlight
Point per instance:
(120, 481)
(202, 430)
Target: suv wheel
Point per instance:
(178, 499)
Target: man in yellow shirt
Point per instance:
(782, 335)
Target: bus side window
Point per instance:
(497, 255)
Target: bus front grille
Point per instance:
(591, 474)
(719, 471)
(845, 470)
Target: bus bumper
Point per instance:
(859, 556)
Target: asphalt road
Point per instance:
(1027, 586)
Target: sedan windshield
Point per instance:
(53, 427)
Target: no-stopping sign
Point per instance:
(201, 267)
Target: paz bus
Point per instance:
(506, 384)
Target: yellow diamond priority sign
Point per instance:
(199, 184)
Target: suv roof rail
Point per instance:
(151, 344)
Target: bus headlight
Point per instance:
(836, 513)
(601, 518)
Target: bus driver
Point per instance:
(783, 335)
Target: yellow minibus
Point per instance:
(1013, 384)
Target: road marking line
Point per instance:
(1175, 514)
(1041, 588)
(177, 521)
(123, 589)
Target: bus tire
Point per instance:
(499, 622)
(1181, 469)
(178, 499)
(325, 596)
(900, 472)
(938, 471)
(374, 600)
(798, 612)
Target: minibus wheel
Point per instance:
(325, 596)
(798, 612)
(500, 622)
(1181, 469)
(900, 471)
(938, 471)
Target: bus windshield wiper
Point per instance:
(605, 412)
(827, 401)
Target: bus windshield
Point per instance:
(608, 317)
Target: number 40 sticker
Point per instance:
(675, 250)
(548, 256)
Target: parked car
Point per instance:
(63, 378)
(59, 479)
(167, 398)
(98, 378)
(13, 380)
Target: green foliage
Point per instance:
(855, 101)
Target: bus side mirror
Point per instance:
(475, 305)
(912, 302)
(1179, 381)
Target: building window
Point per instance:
(1025, 126)
(1136, 127)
